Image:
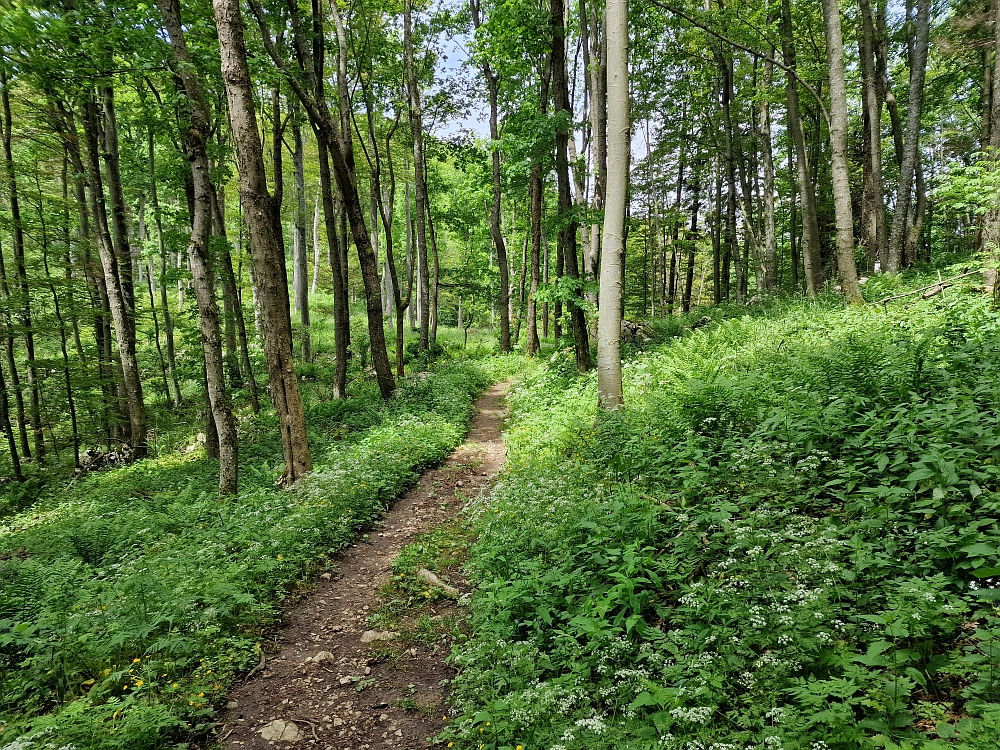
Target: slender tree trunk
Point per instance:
(885, 84)
(8, 431)
(196, 133)
(21, 271)
(568, 227)
(873, 224)
(230, 298)
(268, 258)
(717, 236)
(535, 198)
(174, 393)
(300, 262)
(116, 192)
(793, 220)
(989, 235)
(152, 305)
(341, 150)
(242, 375)
(809, 248)
(692, 246)
(70, 400)
(609, 363)
(675, 234)
(911, 143)
(986, 126)
(594, 44)
(419, 175)
(769, 239)
(316, 253)
(341, 312)
(521, 291)
(838, 153)
(435, 280)
(12, 364)
(492, 84)
(122, 313)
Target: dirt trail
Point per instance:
(321, 698)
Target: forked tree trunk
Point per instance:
(268, 259)
(121, 313)
(195, 135)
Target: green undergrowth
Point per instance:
(130, 600)
(787, 540)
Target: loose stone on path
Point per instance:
(325, 687)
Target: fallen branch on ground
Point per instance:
(937, 286)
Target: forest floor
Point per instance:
(334, 681)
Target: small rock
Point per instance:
(370, 636)
(321, 657)
(326, 576)
(233, 704)
(338, 722)
(281, 731)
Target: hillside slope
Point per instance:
(786, 541)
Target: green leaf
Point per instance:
(980, 548)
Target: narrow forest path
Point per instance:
(347, 699)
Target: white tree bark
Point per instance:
(609, 361)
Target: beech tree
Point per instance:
(609, 363)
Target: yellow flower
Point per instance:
(201, 695)
(520, 747)
(138, 683)
(281, 557)
(124, 687)
(136, 661)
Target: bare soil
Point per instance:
(355, 698)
